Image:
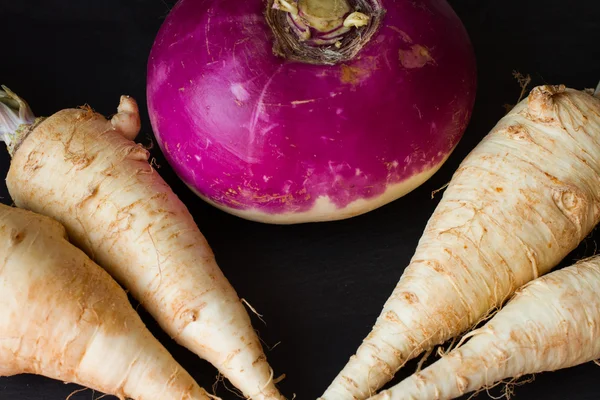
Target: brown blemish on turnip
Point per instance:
(350, 74)
(416, 57)
(361, 70)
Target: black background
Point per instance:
(319, 286)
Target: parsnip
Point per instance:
(86, 172)
(64, 317)
(525, 197)
(550, 324)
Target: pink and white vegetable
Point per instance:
(287, 111)
(550, 324)
(86, 172)
(64, 317)
(525, 197)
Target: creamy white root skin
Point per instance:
(525, 197)
(64, 317)
(324, 210)
(550, 324)
(83, 170)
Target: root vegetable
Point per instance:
(293, 111)
(525, 197)
(550, 324)
(64, 317)
(87, 173)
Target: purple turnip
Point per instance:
(295, 111)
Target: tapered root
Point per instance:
(127, 120)
(522, 200)
(550, 324)
(118, 208)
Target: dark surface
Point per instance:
(320, 287)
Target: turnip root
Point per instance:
(87, 173)
(64, 317)
(286, 111)
(551, 323)
(525, 197)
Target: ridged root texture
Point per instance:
(85, 172)
(550, 324)
(525, 197)
(65, 318)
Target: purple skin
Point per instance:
(248, 130)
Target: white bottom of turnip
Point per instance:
(325, 210)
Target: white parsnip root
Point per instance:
(87, 173)
(524, 198)
(64, 317)
(550, 324)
